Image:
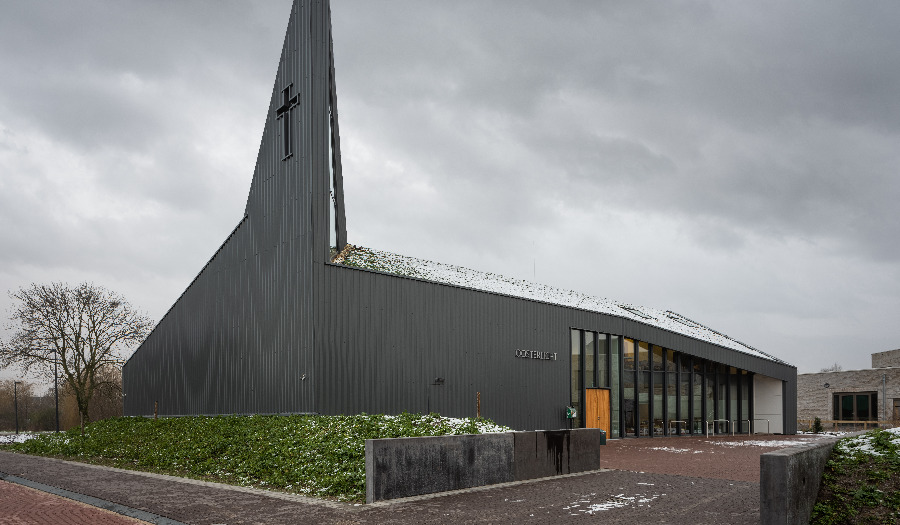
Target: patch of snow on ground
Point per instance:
(585, 505)
(862, 444)
(673, 449)
(456, 424)
(485, 428)
(758, 443)
(16, 438)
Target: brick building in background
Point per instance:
(871, 394)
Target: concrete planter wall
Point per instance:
(789, 482)
(402, 467)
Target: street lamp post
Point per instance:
(16, 401)
(56, 385)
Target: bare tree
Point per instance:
(833, 368)
(84, 330)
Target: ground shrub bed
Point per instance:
(322, 456)
(861, 483)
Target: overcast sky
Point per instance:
(735, 162)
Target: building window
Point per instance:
(575, 399)
(629, 387)
(855, 406)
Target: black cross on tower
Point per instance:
(288, 103)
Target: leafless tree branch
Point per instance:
(81, 329)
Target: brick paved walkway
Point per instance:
(661, 480)
(718, 457)
(26, 506)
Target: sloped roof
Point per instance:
(392, 263)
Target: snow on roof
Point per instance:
(392, 263)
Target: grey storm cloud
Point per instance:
(735, 160)
(764, 115)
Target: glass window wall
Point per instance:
(651, 387)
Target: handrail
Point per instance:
(741, 421)
(711, 421)
(883, 423)
(676, 421)
(767, 424)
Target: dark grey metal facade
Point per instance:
(385, 339)
(240, 339)
(271, 326)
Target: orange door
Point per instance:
(596, 409)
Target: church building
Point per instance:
(288, 317)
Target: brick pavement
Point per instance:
(21, 505)
(719, 457)
(660, 480)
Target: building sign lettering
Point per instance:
(534, 354)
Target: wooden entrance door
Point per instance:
(596, 409)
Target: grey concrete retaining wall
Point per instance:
(789, 482)
(402, 467)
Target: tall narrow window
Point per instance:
(614, 384)
(745, 402)
(658, 409)
(643, 384)
(332, 208)
(589, 361)
(629, 392)
(710, 396)
(671, 391)
(576, 375)
(602, 360)
(685, 393)
(699, 410)
(733, 386)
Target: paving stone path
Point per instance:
(26, 506)
(660, 480)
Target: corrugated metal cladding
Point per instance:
(269, 326)
(240, 338)
(387, 340)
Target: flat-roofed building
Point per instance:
(853, 396)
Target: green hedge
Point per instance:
(322, 456)
(861, 483)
